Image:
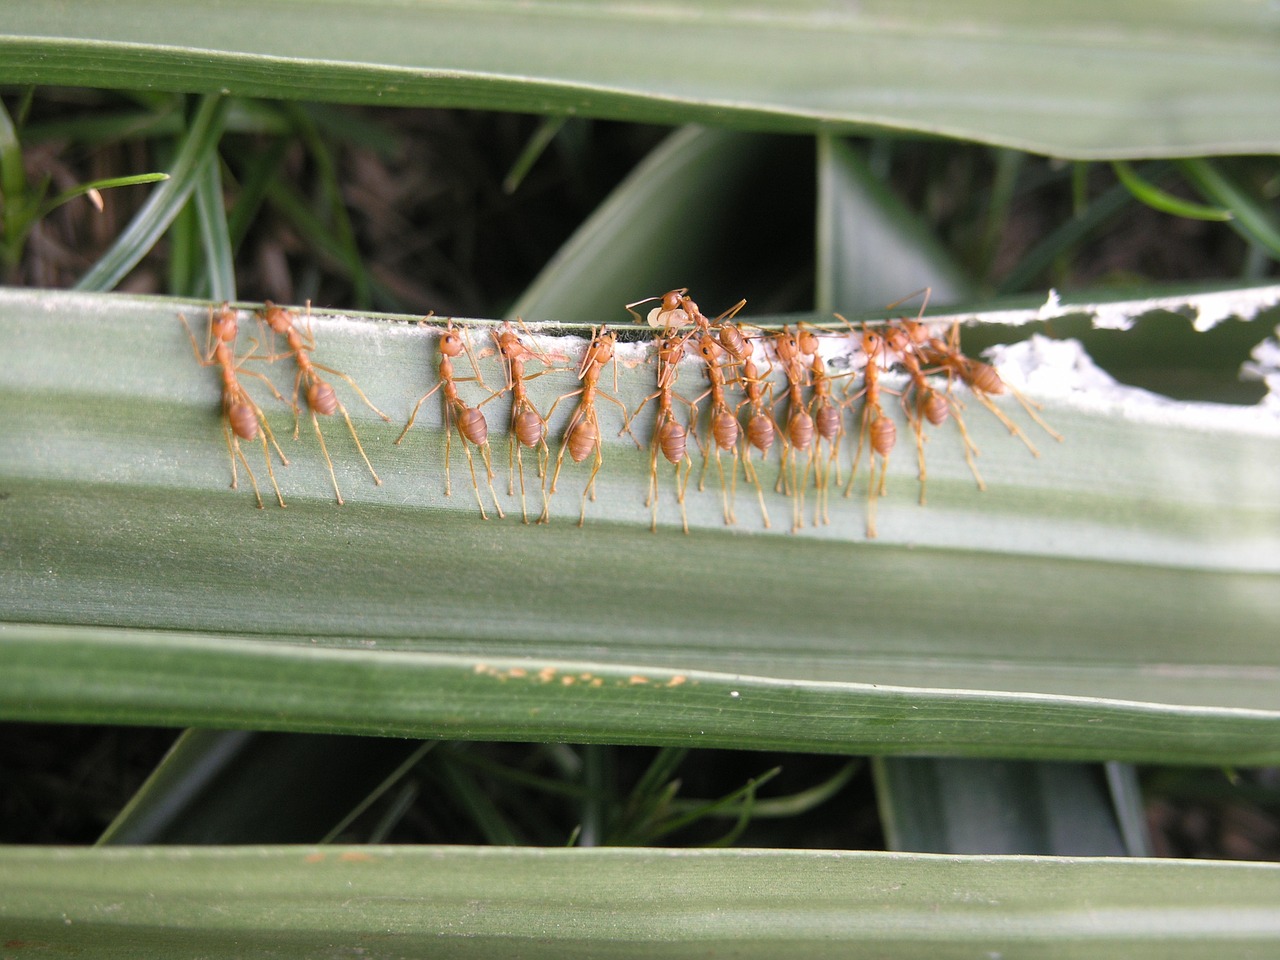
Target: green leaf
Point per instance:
(659, 227)
(96, 185)
(1062, 613)
(1250, 219)
(247, 787)
(1161, 200)
(220, 283)
(1095, 80)
(871, 248)
(458, 901)
(932, 805)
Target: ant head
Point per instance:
(871, 342)
(509, 344)
(898, 339)
(672, 299)
(916, 331)
(600, 350)
(807, 341)
(709, 349)
(224, 324)
(451, 341)
(277, 318)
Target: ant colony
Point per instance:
(759, 390)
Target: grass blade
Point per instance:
(459, 901)
(166, 200)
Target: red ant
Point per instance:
(321, 398)
(981, 378)
(876, 427)
(241, 417)
(724, 424)
(676, 308)
(669, 435)
(928, 404)
(828, 421)
(528, 427)
(761, 426)
(582, 435)
(799, 432)
(471, 424)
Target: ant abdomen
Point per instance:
(983, 376)
(583, 439)
(672, 439)
(725, 428)
(760, 432)
(733, 341)
(936, 408)
(473, 426)
(244, 422)
(321, 398)
(828, 421)
(800, 430)
(530, 430)
(883, 435)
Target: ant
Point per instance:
(470, 422)
(669, 435)
(528, 427)
(241, 417)
(799, 433)
(676, 308)
(321, 398)
(876, 424)
(928, 404)
(582, 435)
(828, 421)
(979, 377)
(724, 424)
(761, 426)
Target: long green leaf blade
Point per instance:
(1083, 80)
(459, 901)
(1063, 613)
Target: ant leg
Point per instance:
(266, 455)
(857, 457)
(466, 447)
(448, 442)
(753, 478)
(591, 482)
(518, 455)
(1009, 424)
(418, 406)
(680, 489)
(359, 445)
(488, 467)
(544, 459)
(1031, 407)
(328, 462)
(266, 428)
(970, 448)
(252, 479)
(354, 386)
